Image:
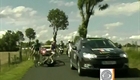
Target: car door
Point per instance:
(72, 53)
(75, 52)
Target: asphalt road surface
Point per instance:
(62, 72)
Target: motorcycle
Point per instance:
(61, 50)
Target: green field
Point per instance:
(4, 56)
(16, 73)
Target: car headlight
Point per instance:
(43, 51)
(88, 55)
(123, 55)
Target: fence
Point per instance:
(9, 60)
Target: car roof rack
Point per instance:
(85, 39)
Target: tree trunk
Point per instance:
(20, 52)
(29, 42)
(55, 35)
(85, 25)
(87, 21)
(85, 34)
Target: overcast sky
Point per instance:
(120, 22)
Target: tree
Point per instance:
(2, 45)
(20, 35)
(10, 40)
(86, 8)
(117, 44)
(58, 20)
(31, 34)
(76, 38)
(128, 45)
(48, 42)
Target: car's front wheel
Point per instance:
(79, 70)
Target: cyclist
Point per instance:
(53, 46)
(36, 54)
(53, 49)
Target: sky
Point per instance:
(120, 22)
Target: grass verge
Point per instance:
(17, 72)
(134, 61)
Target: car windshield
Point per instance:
(99, 44)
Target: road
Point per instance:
(60, 73)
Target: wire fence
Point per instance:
(9, 60)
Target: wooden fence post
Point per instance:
(0, 66)
(15, 59)
(9, 59)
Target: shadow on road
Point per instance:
(57, 63)
(133, 73)
(66, 60)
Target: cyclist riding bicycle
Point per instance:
(53, 47)
(36, 54)
(53, 50)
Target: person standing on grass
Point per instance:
(36, 53)
(32, 51)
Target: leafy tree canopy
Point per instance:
(20, 35)
(30, 33)
(86, 8)
(48, 42)
(58, 20)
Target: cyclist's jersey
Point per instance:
(53, 46)
(37, 46)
